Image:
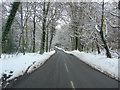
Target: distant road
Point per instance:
(66, 71)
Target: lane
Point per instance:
(66, 71)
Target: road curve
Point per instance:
(66, 71)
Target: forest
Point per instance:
(89, 26)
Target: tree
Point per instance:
(74, 23)
(34, 24)
(102, 33)
(45, 12)
(52, 32)
(26, 22)
(22, 28)
(9, 22)
(6, 28)
(98, 49)
(47, 40)
(36, 29)
(51, 24)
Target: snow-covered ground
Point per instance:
(106, 65)
(17, 65)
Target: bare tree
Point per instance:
(45, 12)
(102, 33)
(22, 28)
(34, 24)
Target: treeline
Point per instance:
(30, 18)
(92, 27)
(31, 26)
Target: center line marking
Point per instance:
(72, 85)
(66, 67)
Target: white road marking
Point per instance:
(72, 85)
(66, 67)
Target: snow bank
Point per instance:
(17, 65)
(106, 65)
(59, 48)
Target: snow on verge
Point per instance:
(106, 65)
(17, 65)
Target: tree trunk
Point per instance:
(76, 42)
(74, 27)
(43, 37)
(73, 42)
(87, 50)
(45, 12)
(23, 43)
(11, 17)
(47, 41)
(98, 49)
(31, 47)
(92, 47)
(50, 42)
(102, 34)
(34, 32)
(26, 44)
(19, 44)
(7, 26)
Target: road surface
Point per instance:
(66, 71)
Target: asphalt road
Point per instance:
(66, 71)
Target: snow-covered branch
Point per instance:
(117, 15)
(112, 25)
(97, 28)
